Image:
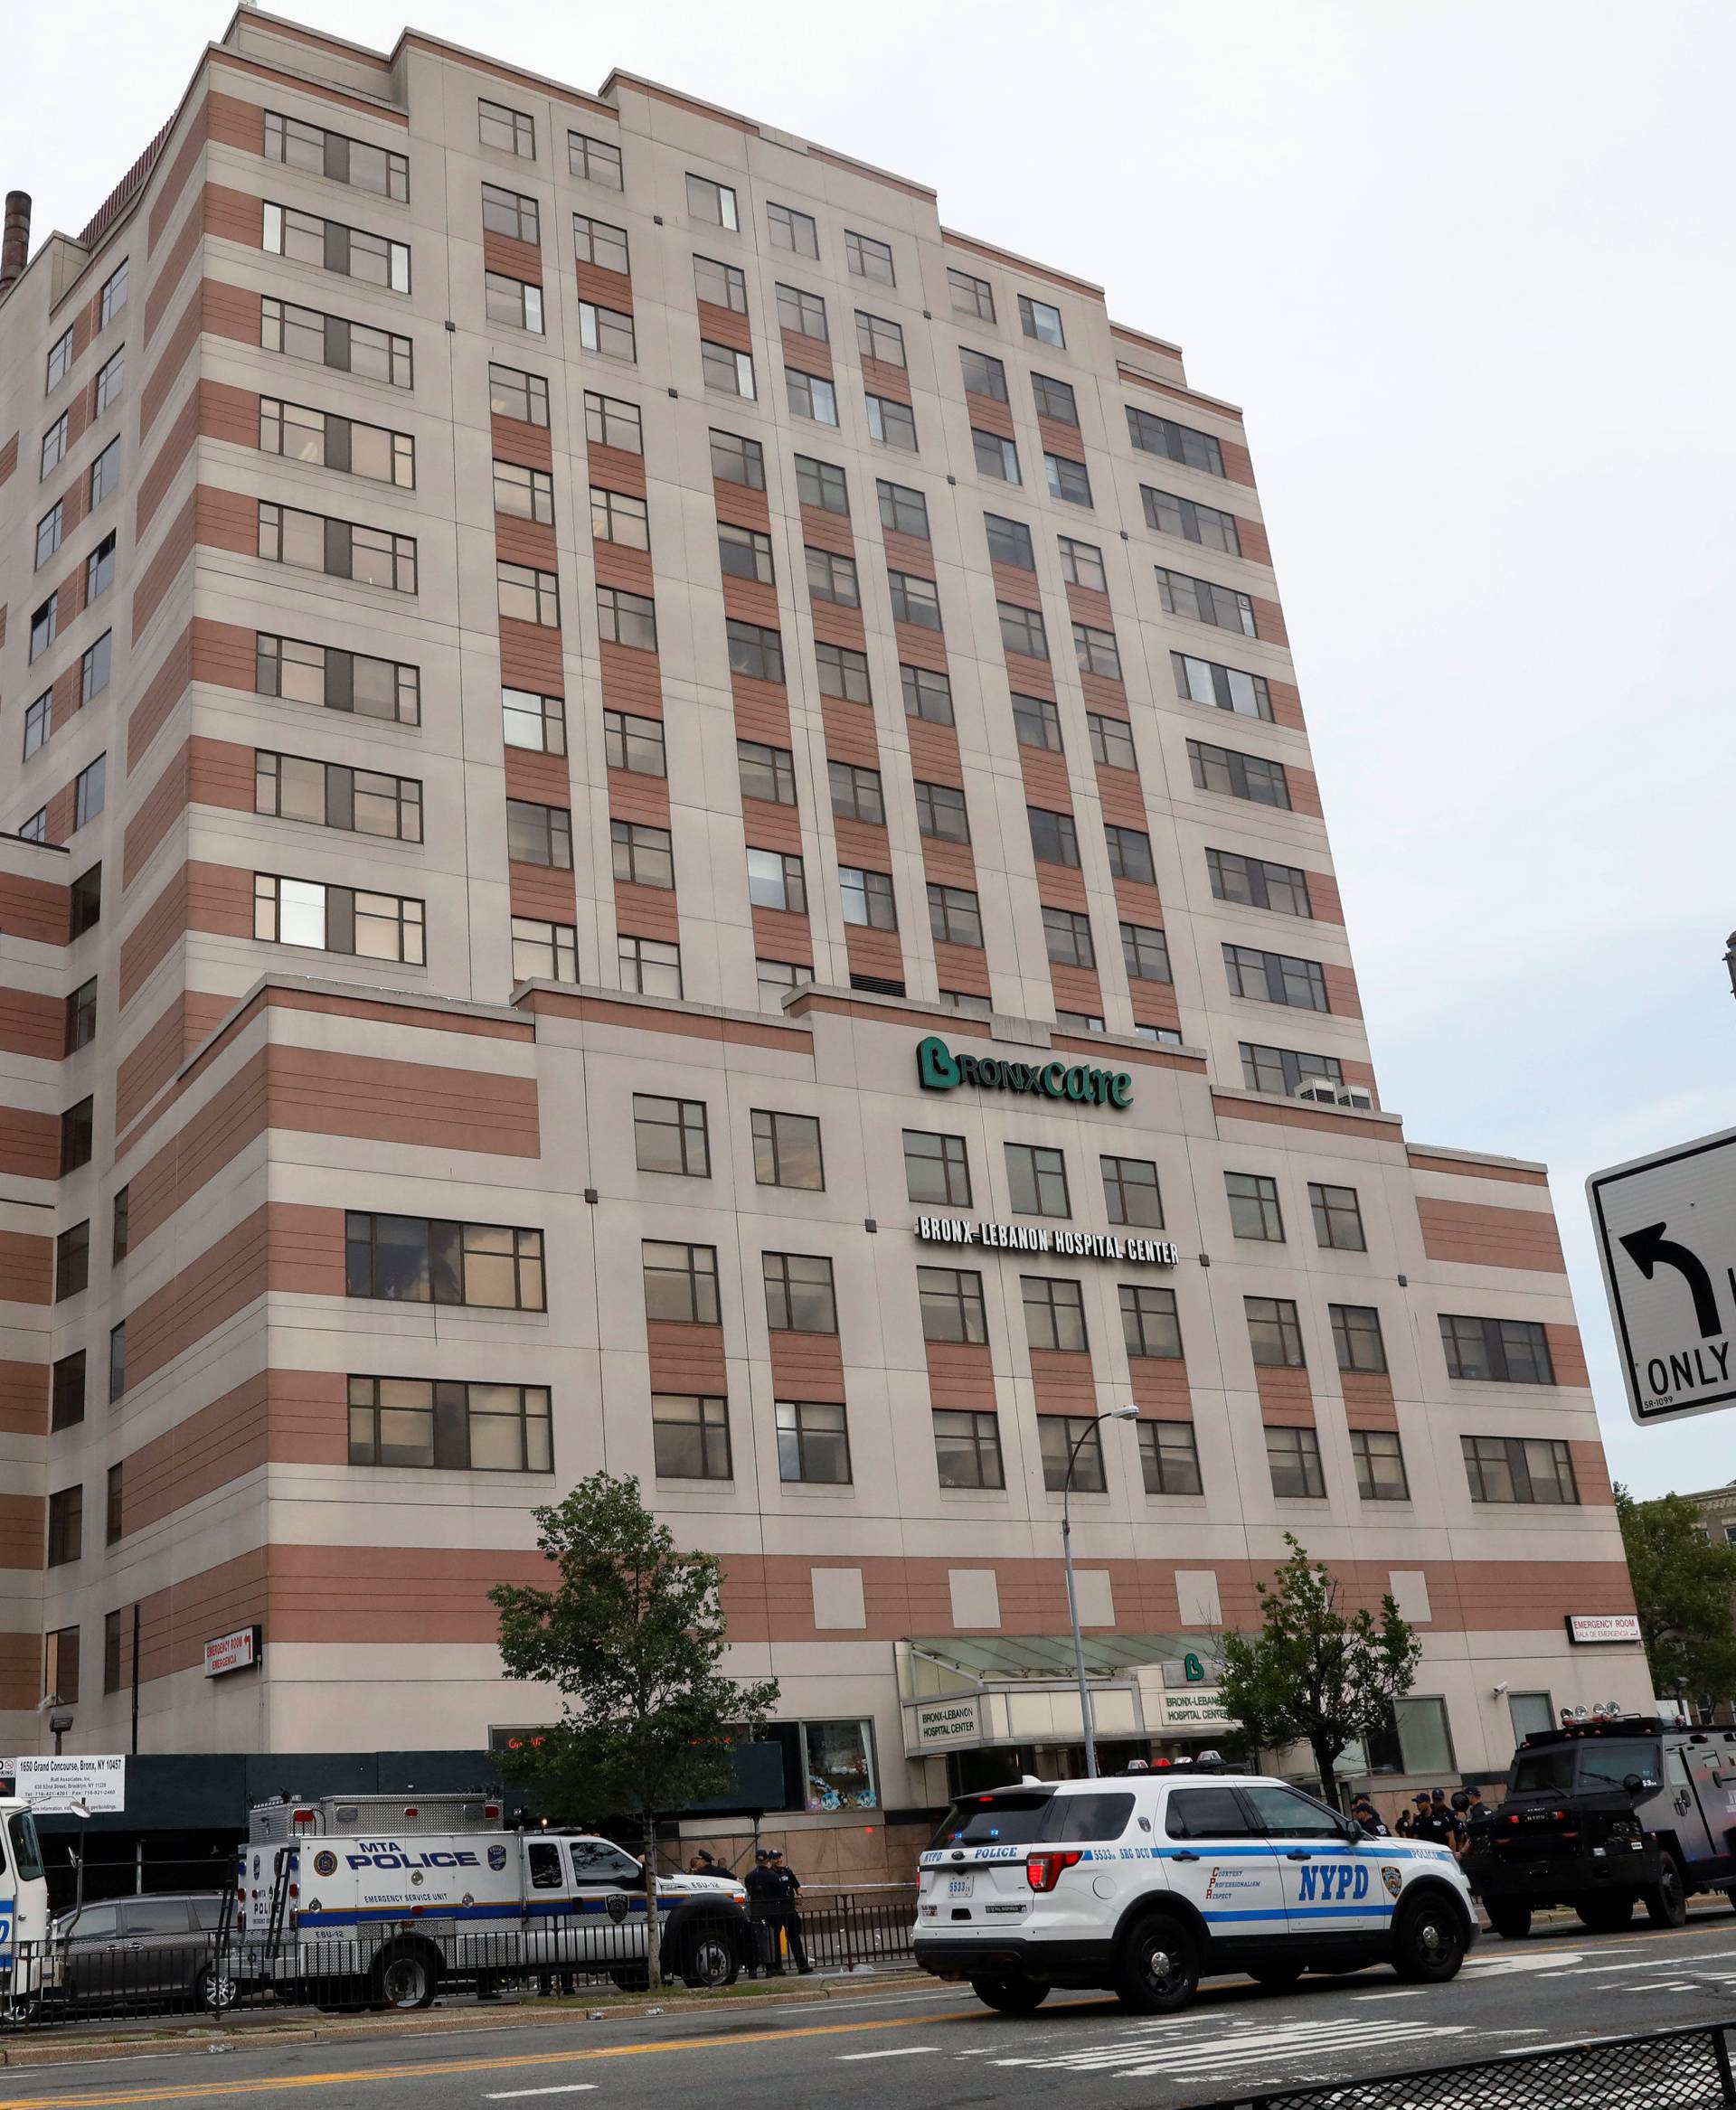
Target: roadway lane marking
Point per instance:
(517, 2095)
(897, 2051)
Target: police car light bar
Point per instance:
(1201, 1762)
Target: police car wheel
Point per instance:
(1427, 1939)
(1010, 1996)
(1666, 1904)
(1159, 1967)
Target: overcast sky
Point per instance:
(1469, 269)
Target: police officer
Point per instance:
(790, 1920)
(1373, 1825)
(766, 1895)
(1433, 1820)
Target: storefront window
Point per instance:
(839, 1758)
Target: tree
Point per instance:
(631, 1636)
(1684, 1588)
(1313, 1675)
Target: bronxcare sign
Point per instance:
(938, 1070)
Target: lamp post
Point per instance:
(1086, 1722)
(1730, 960)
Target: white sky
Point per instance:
(1469, 266)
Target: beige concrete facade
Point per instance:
(247, 1093)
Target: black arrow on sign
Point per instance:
(1646, 1248)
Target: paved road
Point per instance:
(932, 2049)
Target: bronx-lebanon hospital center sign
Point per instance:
(1037, 1237)
(938, 1070)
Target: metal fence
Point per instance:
(1670, 2070)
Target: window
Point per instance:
(113, 297)
(1379, 1465)
(625, 619)
(61, 1673)
(1515, 1468)
(608, 333)
(48, 532)
(868, 257)
(306, 238)
(755, 652)
(44, 625)
(710, 202)
(823, 485)
(1022, 630)
(793, 230)
(937, 1169)
(1149, 1324)
(66, 1392)
(329, 340)
(1505, 1351)
(973, 296)
(967, 1449)
(867, 897)
(529, 596)
(671, 1136)
(525, 494)
(81, 1016)
(512, 393)
(1169, 515)
(1356, 1337)
(105, 474)
(33, 828)
(1130, 855)
(1169, 1457)
(111, 1654)
(1069, 480)
(447, 1426)
(743, 553)
(1072, 1452)
(1292, 1455)
(1036, 722)
(776, 978)
(767, 773)
(1055, 1313)
(735, 460)
(775, 880)
(115, 1493)
(1274, 1332)
(787, 1150)
(801, 311)
(1054, 840)
(1179, 442)
(1256, 884)
(723, 285)
(832, 577)
(416, 1259)
(1203, 681)
(1111, 741)
(53, 448)
(1009, 542)
(877, 338)
(72, 1261)
(927, 694)
(1253, 1206)
(984, 375)
(539, 835)
(1130, 1191)
(1081, 564)
(902, 511)
(1337, 1217)
(940, 813)
(519, 306)
(100, 568)
(336, 679)
(594, 161)
(955, 916)
(65, 1526)
(1079, 1021)
(856, 794)
(649, 967)
(799, 1297)
(1037, 319)
(728, 371)
(1200, 601)
(326, 440)
(641, 855)
(1097, 652)
(893, 423)
(1276, 979)
(1066, 937)
(538, 723)
(914, 600)
(994, 456)
(77, 1138)
(371, 556)
(317, 151)
(812, 1443)
(338, 919)
(509, 212)
(690, 1437)
(843, 673)
(1238, 776)
(84, 908)
(544, 952)
(1055, 400)
(59, 361)
(610, 422)
(37, 719)
(89, 792)
(510, 130)
(952, 1304)
(1036, 1181)
(1281, 1069)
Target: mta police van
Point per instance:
(26, 1962)
(1149, 1882)
(386, 1898)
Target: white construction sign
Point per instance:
(51, 1784)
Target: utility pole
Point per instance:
(1087, 1722)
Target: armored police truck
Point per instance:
(1606, 1813)
(25, 1958)
(385, 1898)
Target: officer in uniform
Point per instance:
(766, 1895)
(1373, 1825)
(790, 1921)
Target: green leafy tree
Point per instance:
(1684, 1590)
(631, 1636)
(1312, 1673)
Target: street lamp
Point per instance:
(1730, 960)
(1087, 1723)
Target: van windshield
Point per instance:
(26, 1855)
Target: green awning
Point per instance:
(993, 1659)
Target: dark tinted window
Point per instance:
(1551, 1767)
(1206, 1813)
(999, 1820)
(207, 1914)
(1605, 1766)
(1076, 1817)
(155, 1916)
(96, 1923)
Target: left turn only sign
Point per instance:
(1666, 1239)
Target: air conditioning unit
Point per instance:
(1321, 1092)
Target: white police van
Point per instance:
(27, 1963)
(1153, 1880)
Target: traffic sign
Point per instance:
(1666, 1239)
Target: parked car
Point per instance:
(154, 1951)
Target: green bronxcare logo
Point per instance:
(938, 1070)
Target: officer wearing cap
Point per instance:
(764, 1901)
(1374, 1826)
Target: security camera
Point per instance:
(1497, 1690)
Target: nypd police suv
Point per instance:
(1148, 1882)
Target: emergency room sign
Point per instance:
(233, 1652)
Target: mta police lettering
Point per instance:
(388, 1854)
